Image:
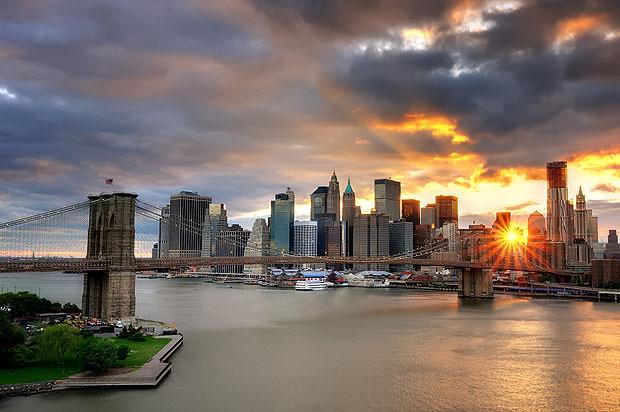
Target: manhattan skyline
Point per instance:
(237, 101)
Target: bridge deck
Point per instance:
(140, 264)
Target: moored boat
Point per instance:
(311, 284)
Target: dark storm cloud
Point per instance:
(351, 18)
(506, 89)
(239, 99)
(533, 26)
(69, 27)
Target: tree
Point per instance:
(56, 341)
(11, 336)
(27, 303)
(98, 355)
(122, 351)
(71, 308)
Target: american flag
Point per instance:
(109, 181)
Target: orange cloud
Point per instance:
(600, 162)
(571, 28)
(437, 125)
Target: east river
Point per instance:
(254, 349)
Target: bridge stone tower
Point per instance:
(475, 283)
(111, 294)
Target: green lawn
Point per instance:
(140, 353)
(41, 373)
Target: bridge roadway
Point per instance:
(83, 265)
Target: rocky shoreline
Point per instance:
(25, 389)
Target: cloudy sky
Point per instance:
(239, 99)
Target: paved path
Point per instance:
(149, 375)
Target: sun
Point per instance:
(513, 236)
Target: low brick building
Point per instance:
(606, 273)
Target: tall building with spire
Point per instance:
(348, 203)
(349, 212)
(581, 217)
(333, 196)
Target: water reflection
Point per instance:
(357, 349)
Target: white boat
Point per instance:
(311, 284)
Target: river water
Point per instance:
(254, 349)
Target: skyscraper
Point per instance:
(216, 221)
(323, 221)
(428, 215)
(333, 239)
(592, 227)
(586, 225)
(446, 210)
(349, 212)
(612, 238)
(401, 241)
(304, 238)
(348, 203)
(371, 239)
(411, 211)
(258, 245)
(557, 202)
(187, 214)
(422, 236)
(502, 222)
(155, 251)
(612, 249)
(387, 198)
(291, 197)
(318, 202)
(281, 222)
(232, 242)
(333, 196)
(536, 227)
(164, 232)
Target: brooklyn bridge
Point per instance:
(104, 238)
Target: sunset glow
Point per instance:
(239, 99)
(437, 125)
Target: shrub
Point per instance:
(98, 355)
(122, 351)
(24, 355)
(86, 334)
(11, 336)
